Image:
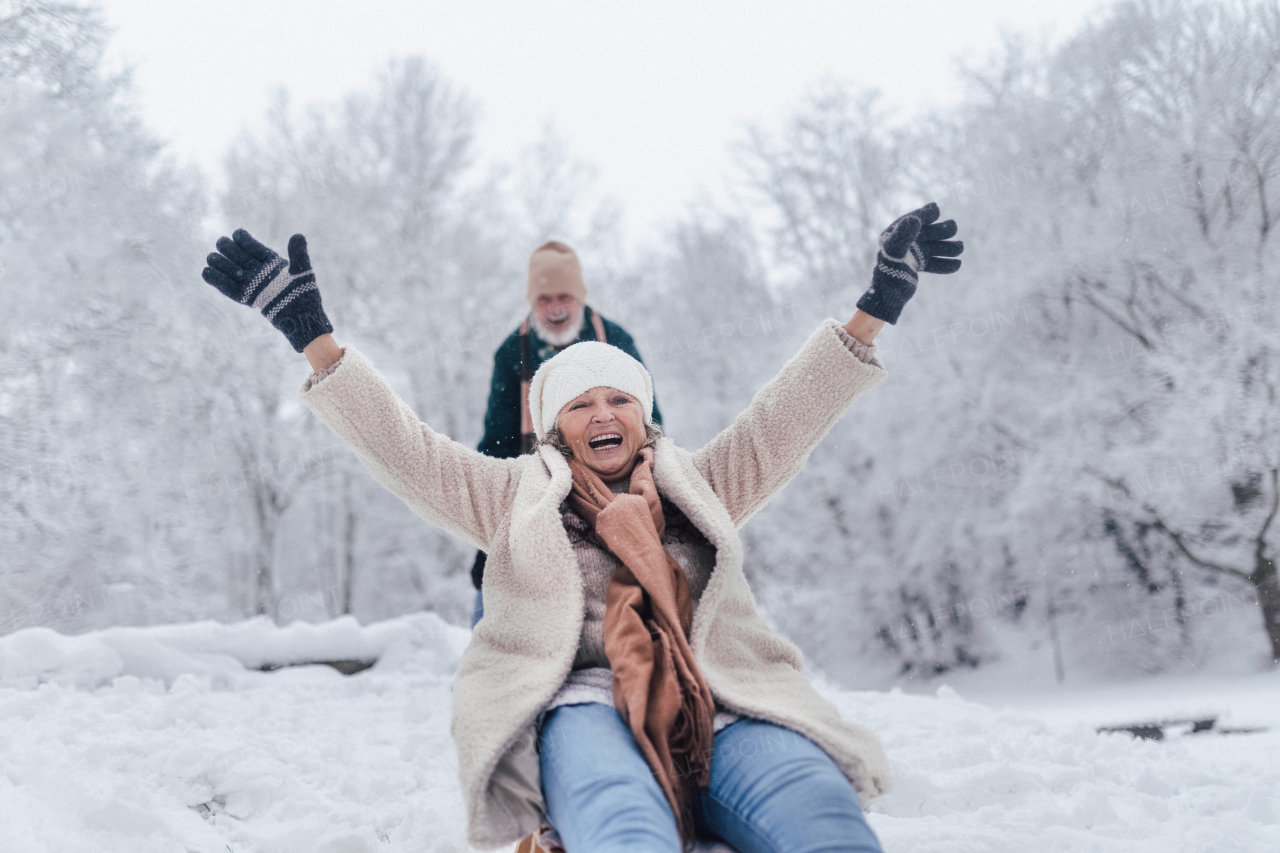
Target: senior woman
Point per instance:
(621, 686)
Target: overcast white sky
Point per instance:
(651, 93)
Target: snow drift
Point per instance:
(169, 739)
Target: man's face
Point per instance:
(558, 311)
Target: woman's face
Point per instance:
(604, 428)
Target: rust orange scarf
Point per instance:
(657, 686)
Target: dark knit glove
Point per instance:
(286, 294)
(912, 244)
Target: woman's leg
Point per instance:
(774, 791)
(601, 796)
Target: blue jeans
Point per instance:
(772, 790)
(477, 612)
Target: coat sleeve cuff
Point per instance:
(865, 353)
(315, 378)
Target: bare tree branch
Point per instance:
(1091, 300)
(1159, 524)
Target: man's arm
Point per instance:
(502, 415)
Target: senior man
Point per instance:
(559, 317)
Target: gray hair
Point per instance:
(555, 439)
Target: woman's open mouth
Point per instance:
(606, 441)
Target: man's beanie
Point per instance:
(579, 368)
(554, 268)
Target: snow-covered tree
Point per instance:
(97, 422)
(1081, 427)
(1189, 96)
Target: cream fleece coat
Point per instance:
(523, 648)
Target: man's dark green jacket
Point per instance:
(502, 418)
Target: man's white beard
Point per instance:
(559, 339)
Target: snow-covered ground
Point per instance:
(169, 739)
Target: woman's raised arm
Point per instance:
(322, 353)
(862, 327)
(451, 486)
(767, 445)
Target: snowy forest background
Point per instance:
(1074, 462)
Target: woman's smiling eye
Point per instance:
(620, 401)
(576, 406)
